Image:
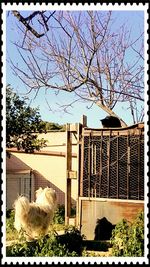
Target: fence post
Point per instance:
(68, 168)
(79, 133)
(84, 121)
(71, 129)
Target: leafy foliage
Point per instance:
(53, 126)
(68, 244)
(72, 239)
(11, 232)
(22, 123)
(128, 238)
(51, 245)
(10, 219)
(59, 216)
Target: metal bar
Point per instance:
(79, 160)
(82, 166)
(94, 153)
(108, 166)
(89, 166)
(92, 158)
(92, 193)
(95, 192)
(139, 162)
(112, 200)
(95, 132)
(100, 171)
(80, 213)
(118, 166)
(68, 168)
(128, 164)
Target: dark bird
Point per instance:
(111, 122)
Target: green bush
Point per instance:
(59, 216)
(10, 215)
(128, 237)
(11, 232)
(72, 239)
(69, 244)
(20, 249)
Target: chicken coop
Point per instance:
(110, 175)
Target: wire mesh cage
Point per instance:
(113, 163)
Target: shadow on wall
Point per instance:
(41, 181)
(103, 229)
(14, 164)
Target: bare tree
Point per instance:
(27, 21)
(82, 52)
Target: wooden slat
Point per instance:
(84, 121)
(72, 174)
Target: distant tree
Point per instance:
(53, 126)
(82, 53)
(22, 124)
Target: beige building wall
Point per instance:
(47, 169)
(18, 183)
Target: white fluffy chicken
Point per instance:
(35, 218)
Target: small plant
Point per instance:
(50, 246)
(20, 249)
(69, 244)
(11, 232)
(72, 238)
(10, 219)
(59, 216)
(128, 238)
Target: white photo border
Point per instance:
(74, 260)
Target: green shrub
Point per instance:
(69, 244)
(51, 246)
(128, 238)
(11, 232)
(20, 249)
(10, 215)
(72, 239)
(59, 216)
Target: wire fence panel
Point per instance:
(113, 164)
(113, 168)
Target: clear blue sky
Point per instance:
(134, 20)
